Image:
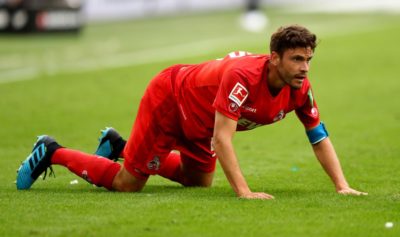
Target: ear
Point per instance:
(275, 58)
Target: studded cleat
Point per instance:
(37, 162)
(111, 144)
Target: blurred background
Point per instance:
(46, 15)
(88, 34)
(68, 68)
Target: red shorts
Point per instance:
(157, 131)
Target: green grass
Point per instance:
(76, 85)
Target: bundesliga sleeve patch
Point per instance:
(238, 94)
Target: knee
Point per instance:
(193, 178)
(125, 182)
(123, 186)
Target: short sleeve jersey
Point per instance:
(236, 86)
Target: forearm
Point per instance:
(224, 130)
(229, 163)
(328, 159)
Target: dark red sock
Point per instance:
(171, 168)
(92, 168)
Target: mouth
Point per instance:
(300, 77)
(298, 81)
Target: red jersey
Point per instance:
(236, 86)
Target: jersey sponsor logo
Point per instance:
(248, 124)
(238, 94)
(279, 116)
(248, 108)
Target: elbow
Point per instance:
(219, 141)
(216, 142)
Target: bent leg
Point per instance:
(186, 173)
(90, 167)
(197, 162)
(126, 182)
(98, 171)
(193, 177)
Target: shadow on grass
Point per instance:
(169, 191)
(174, 190)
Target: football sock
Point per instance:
(171, 168)
(92, 168)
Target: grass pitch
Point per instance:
(72, 86)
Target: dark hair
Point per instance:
(291, 37)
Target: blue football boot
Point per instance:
(111, 144)
(37, 162)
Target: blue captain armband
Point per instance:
(317, 134)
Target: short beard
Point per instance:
(283, 79)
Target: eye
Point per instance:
(298, 58)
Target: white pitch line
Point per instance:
(154, 55)
(15, 75)
(146, 56)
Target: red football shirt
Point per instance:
(236, 86)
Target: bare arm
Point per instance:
(224, 131)
(328, 159)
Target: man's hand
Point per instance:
(253, 195)
(350, 191)
(327, 157)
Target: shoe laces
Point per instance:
(50, 174)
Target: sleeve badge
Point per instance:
(238, 94)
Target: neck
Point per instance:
(274, 80)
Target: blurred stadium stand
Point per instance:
(40, 15)
(71, 15)
(100, 10)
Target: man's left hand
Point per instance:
(350, 191)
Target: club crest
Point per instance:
(233, 107)
(154, 164)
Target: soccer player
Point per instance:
(189, 115)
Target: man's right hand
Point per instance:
(255, 195)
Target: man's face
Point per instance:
(293, 66)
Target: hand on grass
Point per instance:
(255, 195)
(350, 191)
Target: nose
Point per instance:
(305, 66)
